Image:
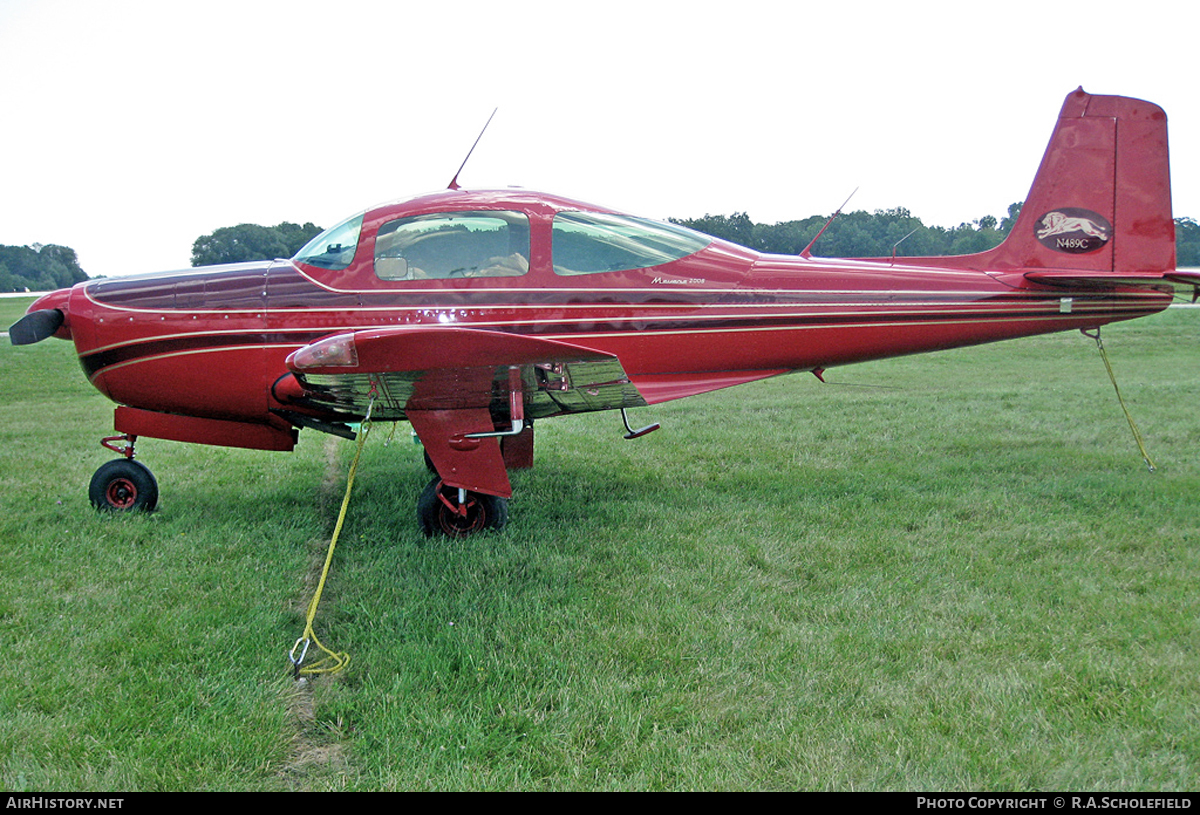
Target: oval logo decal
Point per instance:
(1073, 230)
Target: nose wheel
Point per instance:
(123, 485)
(456, 513)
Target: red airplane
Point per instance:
(471, 314)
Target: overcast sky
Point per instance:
(132, 128)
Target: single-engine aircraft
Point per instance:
(472, 314)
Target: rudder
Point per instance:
(1101, 200)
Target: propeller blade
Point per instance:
(35, 326)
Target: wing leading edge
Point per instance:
(456, 369)
(455, 383)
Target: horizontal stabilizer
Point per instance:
(1191, 278)
(1062, 277)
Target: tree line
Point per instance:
(858, 234)
(234, 244)
(39, 267)
(865, 235)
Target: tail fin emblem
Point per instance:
(1073, 230)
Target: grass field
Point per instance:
(942, 572)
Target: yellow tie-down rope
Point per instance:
(1137, 435)
(332, 662)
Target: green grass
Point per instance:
(945, 572)
(13, 309)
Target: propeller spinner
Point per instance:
(35, 326)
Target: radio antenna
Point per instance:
(807, 249)
(902, 240)
(454, 181)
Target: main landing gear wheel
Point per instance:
(123, 485)
(440, 512)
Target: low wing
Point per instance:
(454, 383)
(456, 369)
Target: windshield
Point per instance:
(333, 248)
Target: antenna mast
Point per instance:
(454, 181)
(807, 249)
(902, 240)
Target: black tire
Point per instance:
(436, 518)
(123, 485)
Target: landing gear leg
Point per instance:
(123, 485)
(458, 513)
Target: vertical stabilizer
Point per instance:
(1101, 200)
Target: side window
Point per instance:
(453, 244)
(592, 242)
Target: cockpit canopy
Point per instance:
(493, 242)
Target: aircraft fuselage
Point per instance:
(211, 341)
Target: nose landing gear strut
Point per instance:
(123, 485)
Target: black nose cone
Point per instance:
(35, 327)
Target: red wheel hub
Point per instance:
(121, 493)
